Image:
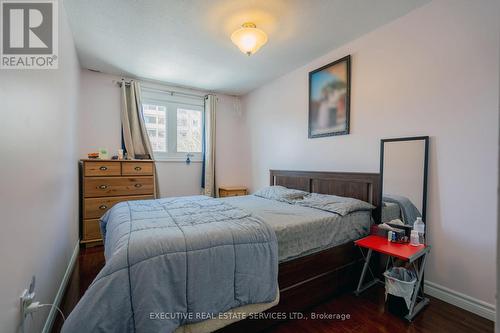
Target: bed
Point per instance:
(316, 255)
(303, 230)
(311, 279)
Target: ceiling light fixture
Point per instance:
(248, 38)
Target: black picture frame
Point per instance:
(347, 60)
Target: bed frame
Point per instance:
(312, 279)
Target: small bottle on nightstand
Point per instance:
(419, 227)
(414, 238)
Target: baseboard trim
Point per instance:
(62, 287)
(471, 304)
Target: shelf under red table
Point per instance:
(382, 245)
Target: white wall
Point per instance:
(432, 72)
(38, 173)
(100, 127)
(99, 116)
(497, 323)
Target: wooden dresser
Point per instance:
(104, 183)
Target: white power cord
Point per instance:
(29, 307)
(33, 307)
(57, 308)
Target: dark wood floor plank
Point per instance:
(367, 312)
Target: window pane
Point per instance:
(156, 125)
(188, 131)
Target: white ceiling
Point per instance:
(186, 42)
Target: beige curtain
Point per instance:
(135, 136)
(209, 151)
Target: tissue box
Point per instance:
(406, 228)
(400, 233)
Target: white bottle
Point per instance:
(414, 238)
(419, 226)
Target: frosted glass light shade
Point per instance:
(248, 38)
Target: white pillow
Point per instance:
(280, 193)
(334, 203)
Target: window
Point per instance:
(188, 131)
(154, 117)
(174, 124)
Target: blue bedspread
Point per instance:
(175, 261)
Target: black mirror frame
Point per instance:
(426, 168)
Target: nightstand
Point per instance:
(226, 191)
(415, 256)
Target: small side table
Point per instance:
(414, 255)
(226, 191)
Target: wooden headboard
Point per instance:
(362, 186)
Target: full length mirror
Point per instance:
(403, 167)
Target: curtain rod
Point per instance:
(171, 92)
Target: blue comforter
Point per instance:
(175, 261)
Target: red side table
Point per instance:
(414, 255)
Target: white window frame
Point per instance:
(172, 102)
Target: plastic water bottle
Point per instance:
(414, 238)
(419, 226)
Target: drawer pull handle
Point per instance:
(138, 185)
(103, 207)
(138, 168)
(103, 187)
(103, 168)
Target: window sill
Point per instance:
(175, 160)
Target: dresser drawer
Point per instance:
(137, 168)
(115, 186)
(231, 193)
(102, 168)
(94, 208)
(91, 230)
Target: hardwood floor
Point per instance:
(90, 261)
(367, 312)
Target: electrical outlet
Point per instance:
(27, 297)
